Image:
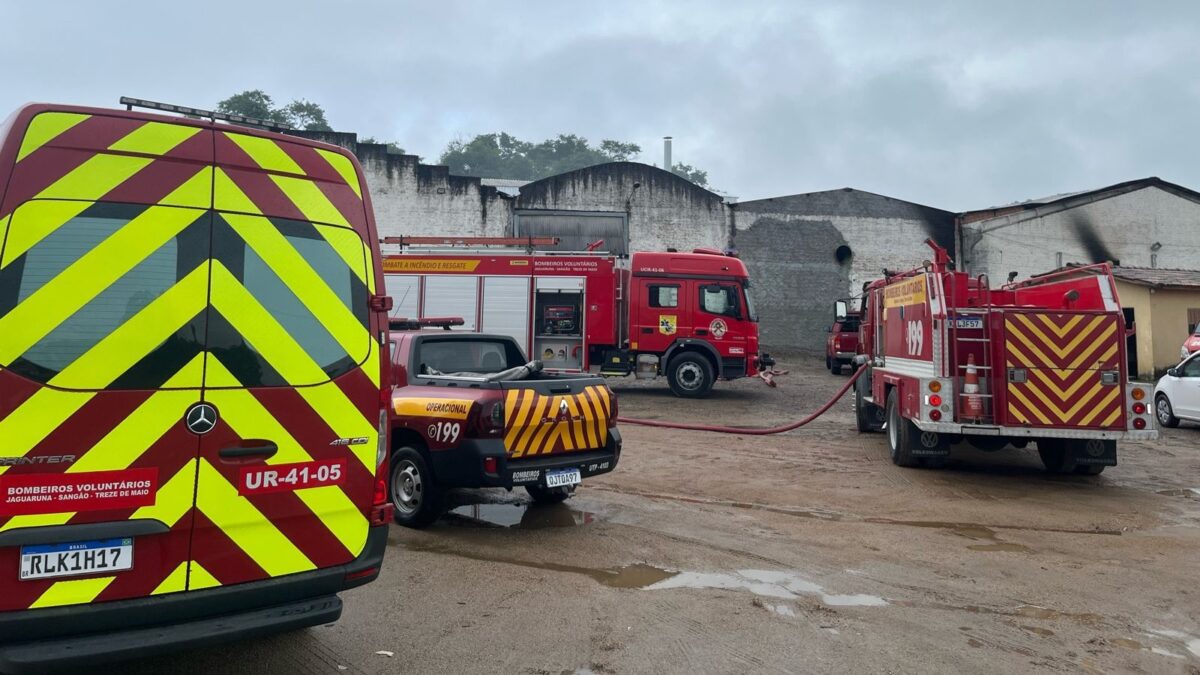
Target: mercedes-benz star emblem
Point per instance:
(201, 418)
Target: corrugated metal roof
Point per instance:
(1159, 277)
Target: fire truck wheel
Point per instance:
(1089, 469)
(1055, 455)
(690, 375)
(416, 498)
(1164, 412)
(867, 416)
(904, 436)
(544, 495)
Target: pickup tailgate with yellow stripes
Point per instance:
(556, 417)
(1063, 370)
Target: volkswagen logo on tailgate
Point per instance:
(200, 418)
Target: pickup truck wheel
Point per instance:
(690, 375)
(416, 498)
(828, 362)
(868, 417)
(900, 433)
(544, 495)
(835, 366)
(1055, 455)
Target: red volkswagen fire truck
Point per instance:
(687, 316)
(950, 359)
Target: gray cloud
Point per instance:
(958, 105)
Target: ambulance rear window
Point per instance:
(69, 290)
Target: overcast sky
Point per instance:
(957, 105)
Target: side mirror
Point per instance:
(1172, 372)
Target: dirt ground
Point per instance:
(803, 552)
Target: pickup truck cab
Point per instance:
(841, 343)
(468, 411)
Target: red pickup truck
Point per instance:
(842, 342)
(468, 411)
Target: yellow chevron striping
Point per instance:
(118, 351)
(345, 169)
(261, 330)
(245, 525)
(339, 412)
(1108, 400)
(38, 218)
(1065, 350)
(1100, 340)
(1059, 332)
(317, 208)
(95, 177)
(599, 401)
(1015, 412)
(90, 275)
(1029, 344)
(45, 127)
(195, 192)
(589, 420)
(299, 276)
(200, 578)
(74, 592)
(577, 434)
(154, 138)
(1062, 394)
(121, 447)
(1016, 393)
(1053, 405)
(174, 498)
(265, 152)
(516, 415)
(1112, 418)
(525, 438)
(536, 444)
(229, 198)
(249, 419)
(41, 414)
(175, 582)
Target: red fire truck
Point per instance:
(951, 359)
(687, 316)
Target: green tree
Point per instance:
(691, 173)
(501, 155)
(299, 114)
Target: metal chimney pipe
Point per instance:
(667, 153)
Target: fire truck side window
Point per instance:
(664, 296)
(723, 300)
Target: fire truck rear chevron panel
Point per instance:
(151, 265)
(1063, 356)
(537, 424)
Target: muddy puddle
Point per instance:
(1187, 493)
(518, 516)
(765, 583)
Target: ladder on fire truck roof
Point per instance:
(528, 244)
(983, 311)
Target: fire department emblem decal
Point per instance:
(718, 328)
(667, 324)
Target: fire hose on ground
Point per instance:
(750, 431)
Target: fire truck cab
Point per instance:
(949, 359)
(686, 316)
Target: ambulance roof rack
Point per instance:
(131, 103)
(443, 322)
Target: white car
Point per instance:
(1177, 395)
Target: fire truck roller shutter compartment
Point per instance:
(558, 322)
(406, 295)
(453, 296)
(506, 308)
